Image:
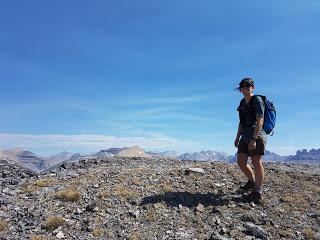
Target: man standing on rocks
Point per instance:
(251, 140)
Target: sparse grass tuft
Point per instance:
(314, 188)
(44, 182)
(140, 170)
(124, 192)
(309, 234)
(29, 190)
(68, 195)
(290, 198)
(166, 187)
(53, 223)
(150, 215)
(194, 176)
(134, 236)
(3, 225)
(287, 233)
(136, 181)
(104, 194)
(97, 232)
(37, 237)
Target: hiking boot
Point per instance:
(254, 197)
(248, 186)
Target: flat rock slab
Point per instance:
(195, 170)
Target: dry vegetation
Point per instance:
(104, 194)
(36, 237)
(68, 195)
(166, 187)
(292, 198)
(44, 182)
(136, 181)
(124, 192)
(134, 236)
(150, 215)
(29, 190)
(309, 234)
(97, 232)
(3, 225)
(53, 223)
(287, 233)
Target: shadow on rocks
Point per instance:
(186, 199)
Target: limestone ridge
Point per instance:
(39, 163)
(205, 156)
(25, 158)
(62, 156)
(32, 161)
(156, 198)
(165, 154)
(305, 156)
(111, 152)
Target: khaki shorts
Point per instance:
(260, 147)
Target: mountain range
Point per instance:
(39, 163)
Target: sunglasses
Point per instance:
(245, 86)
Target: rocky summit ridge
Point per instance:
(156, 198)
(41, 163)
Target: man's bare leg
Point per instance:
(258, 170)
(244, 166)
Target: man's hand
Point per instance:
(236, 142)
(252, 145)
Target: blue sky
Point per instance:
(82, 76)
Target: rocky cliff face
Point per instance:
(305, 156)
(26, 159)
(12, 174)
(59, 157)
(205, 156)
(140, 198)
(273, 157)
(164, 154)
(123, 152)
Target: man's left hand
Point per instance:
(252, 145)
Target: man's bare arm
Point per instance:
(258, 127)
(236, 141)
(239, 131)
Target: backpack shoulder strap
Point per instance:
(238, 109)
(261, 96)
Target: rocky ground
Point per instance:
(137, 198)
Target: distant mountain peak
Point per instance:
(305, 156)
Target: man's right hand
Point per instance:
(236, 142)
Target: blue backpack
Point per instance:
(269, 121)
(270, 115)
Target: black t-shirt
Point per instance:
(248, 113)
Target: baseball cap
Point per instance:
(247, 81)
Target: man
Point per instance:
(251, 140)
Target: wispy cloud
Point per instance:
(169, 99)
(54, 104)
(167, 115)
(88, 142)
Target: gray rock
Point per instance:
(60, 235)
(153, 199)
(195, 170)
(200, 208)
(216, 236)
(256, 231)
